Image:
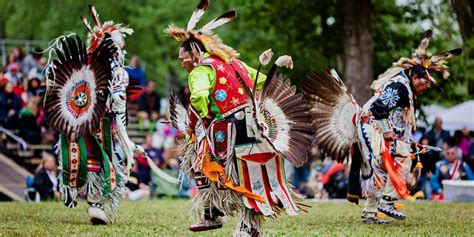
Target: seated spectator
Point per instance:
(149, 107)
(302, 174)
(134, 190)
(9, 59)
(315, 187)
(463, 142)
(31, 61)
(143, 169)
(46, 180)
(135, 71)
(16, 78)
(334, 177)
(10, 106)
(33, 87)
(37, 71)
(30, 129)
(437, 136)
(19, 55)
(165, 135)
(450, 168)
(171, 167)
(13, 74)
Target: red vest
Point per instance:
(228, 95)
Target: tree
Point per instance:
(463, 10)
(317, 34)
(358, 48)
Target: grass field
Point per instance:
(170, 218)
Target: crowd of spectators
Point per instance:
(149, 107)
(20, 82)
(161, 147)
(455, 162)
(321, 177)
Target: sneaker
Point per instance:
(372, 218)
(97, 214)
(389, 210)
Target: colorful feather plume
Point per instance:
(97, 33)
(420, 56)
(211, 41)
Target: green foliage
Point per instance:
(310, 31)
(397, 30)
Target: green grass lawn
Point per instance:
(170, 218)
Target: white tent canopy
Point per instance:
(458, 117)
(430, 112)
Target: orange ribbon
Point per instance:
(398, 182)
(215, 172)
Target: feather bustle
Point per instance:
(332, 109)
(72, 58)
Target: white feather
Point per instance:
(197, 14)
(117, 38)
(218, 21)
(335, 75)
(87, 24)
(285, 61)
(181, 118)
(265, 57)
(95, 15)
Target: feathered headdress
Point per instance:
(97, 33)
(211, 41)
(432, 63)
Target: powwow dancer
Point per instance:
(237, 137)
(85, 100)
(381, 128)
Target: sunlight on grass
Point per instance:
(170, 218)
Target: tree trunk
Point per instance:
(464, 16)
(463, 10)
(358, 48)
